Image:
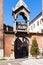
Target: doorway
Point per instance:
(21, 49)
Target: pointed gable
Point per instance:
(19, 4)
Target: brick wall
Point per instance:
(10, 38)
(39, 39)
(9, 47)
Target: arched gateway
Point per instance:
(21, 48)
(17, 40)
(21, 29)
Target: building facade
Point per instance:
(16, 41)
(36, 25)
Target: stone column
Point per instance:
(27, 25)
(12, 56)
(14, 45)
(29, 46)
(14, 27)
(30, 43)
(29, 51)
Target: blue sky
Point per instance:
(35, 7)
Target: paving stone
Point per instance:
(22, 62)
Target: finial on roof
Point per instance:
(21, 0)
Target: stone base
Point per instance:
(1, 53)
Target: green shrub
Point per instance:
(2, 59)
(34, 48)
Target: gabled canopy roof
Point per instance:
(19, 4)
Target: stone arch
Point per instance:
(22, 44)
(17, 47)
(20, 48)
(23, 14)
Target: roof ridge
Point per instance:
(19, 4)
(33, 20)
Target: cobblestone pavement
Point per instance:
(9, 62)
(22, 62)
(32, 62)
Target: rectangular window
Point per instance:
(40, 21)
(31, 27)
(42, 30)
(37, 23)
(34, 25)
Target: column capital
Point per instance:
(28, 18)
(14, 17)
